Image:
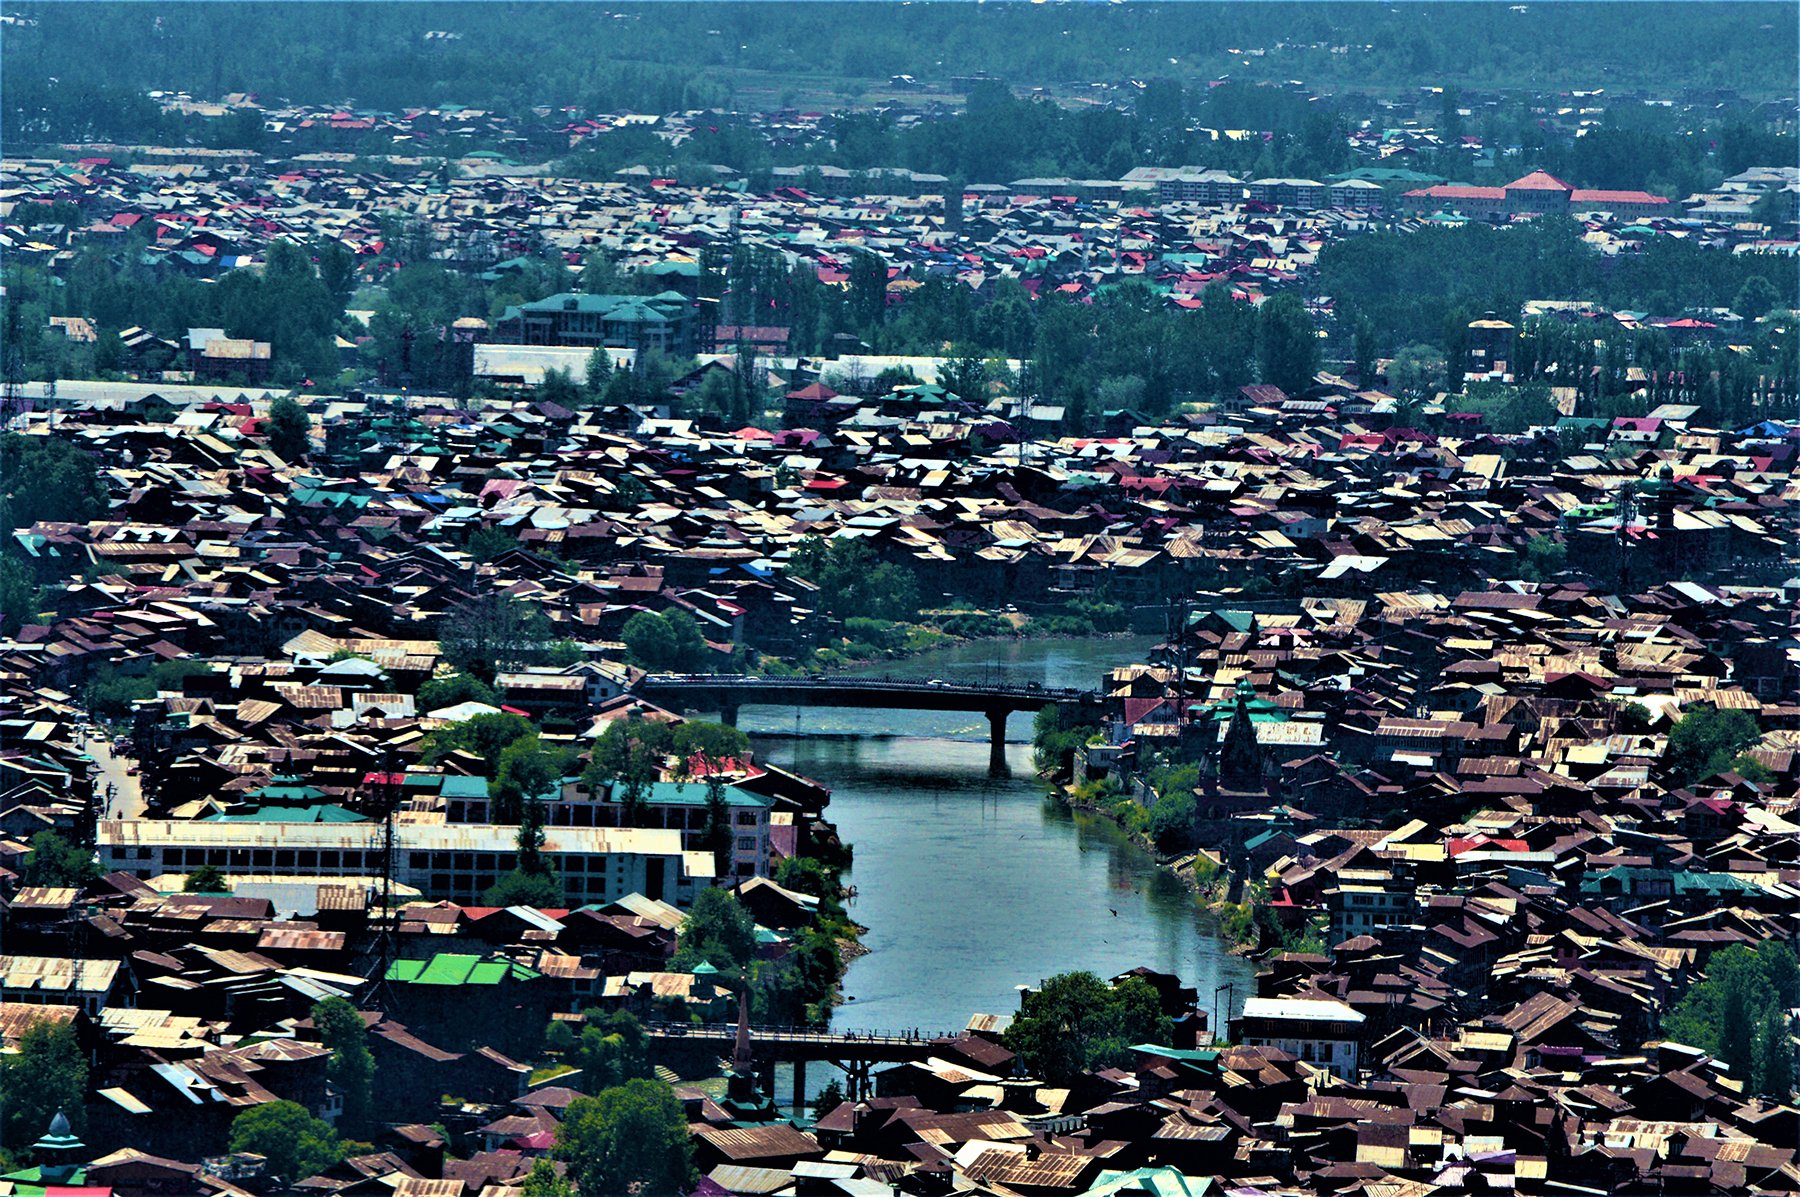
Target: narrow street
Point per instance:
(127, 798)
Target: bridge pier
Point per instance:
(997, 743)
(728, 714)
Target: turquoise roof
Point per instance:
(322, 812)
(693, 793)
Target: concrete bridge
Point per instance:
(726, 693)
(855, 1052)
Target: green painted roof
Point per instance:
(693, 793)
(450, 969)
(318, 812)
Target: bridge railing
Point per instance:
(794, 1034)
(705, 681)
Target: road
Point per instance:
(128, 797)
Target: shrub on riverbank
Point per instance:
(1172, 821)
(1056, 732)
(976, 625)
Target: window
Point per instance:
(746, 843)
(746, 818)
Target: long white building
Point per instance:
(457, 862)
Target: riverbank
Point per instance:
(1200, 872)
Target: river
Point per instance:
(971, 885)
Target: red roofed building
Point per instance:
(1536, 192)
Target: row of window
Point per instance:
(330, 859)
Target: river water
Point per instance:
(971, 885)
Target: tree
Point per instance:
(868, 289)
(453, 689)
(48, 1072)
(629, 754)
(485, 632)
(1704, 742)
(1172, 820)
(1755, 298)
(829, 1098)
(1286, 347)
(60, 864)
(487, 736)
(1737, 1012)
(485, 544)
(670, 641)
(1545, 557)
(719, 931)
(648, 640)
(707, 749)
(1416, 372)
(630, 1138)
(352, 1065)
(965, 375)
(519, 888)
(1056, 732)
(47, 479)
(1363, 352)
(853, 583)
(18, 596)
(559, 387)
(296, 1144)
(290, 429)
(599, 373)
(1076, 1023)
(207, 879)
(532, 882)
(545, 1181)
(526, 772)
(612, 1049)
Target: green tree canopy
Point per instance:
(290, 429)
(43, 478)
(853, 582)
(57, 862)
(612, 1049)
(1287, 347)
(632, 1138)
(1737, 1012)
(48, 1072)
(486, 736)
(1704, 742)
(670, 641)
(526, 771)
(452, 689)
(352, 1065)
(719, 931)
(545, 1181)
(1077, 1023)
(629, 754)
(207, 879)
(296, 1144)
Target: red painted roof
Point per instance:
(1538, 180)
(1450, 191)
(1616, 197)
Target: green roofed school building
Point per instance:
(665, 322)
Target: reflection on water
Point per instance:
(971, 885)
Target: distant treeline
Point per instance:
(665, 56)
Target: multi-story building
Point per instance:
(665, 322)
(457, 862)
(1365, 900)
(1323, 1032)
(1536, 193)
